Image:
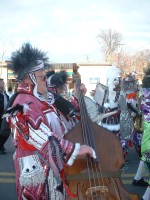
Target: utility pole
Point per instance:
(87, 58)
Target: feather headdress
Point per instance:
(112, 82)
(112, 74)
(129, 84)
(27, 59)
(57, 79)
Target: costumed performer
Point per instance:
(112, 122)
(128, 104)
(145, 144)
(41, 152)
(67, 109)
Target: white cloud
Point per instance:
(67, 29)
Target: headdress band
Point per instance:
(49, 81)
(39, 66)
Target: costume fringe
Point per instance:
(34, 179)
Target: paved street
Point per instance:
(7, 174)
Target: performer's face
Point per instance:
(41, 82)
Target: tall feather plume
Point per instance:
(25, 58)
(59, 79)
(50, 73)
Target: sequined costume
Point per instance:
(145, 106)
(138, 127)
(128, 104)
(112, 122)
(145, 144)
(30, 142)
(129, 109)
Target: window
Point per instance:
(94, 80)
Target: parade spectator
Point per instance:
(41, 151)
(10, 92)
(4, 132)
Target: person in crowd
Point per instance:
(68, 109)
(57, 81)
(128, 103)
(112, 122)
(138, 127)
(95, 109)
(145, 144)
(108, 114)
(4, 132)
(75, 74)
(10, 92)
(41, 150)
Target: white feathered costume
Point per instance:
(112, 122)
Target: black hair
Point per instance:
(50, 73)
(58, 78)
(25, 58)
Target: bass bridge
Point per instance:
(97, 190)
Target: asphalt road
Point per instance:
(7, 173)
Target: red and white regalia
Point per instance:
(41, 152)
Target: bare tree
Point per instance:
(140, 59)
(132, 62)
(109, 41)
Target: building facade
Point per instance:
(90, 73)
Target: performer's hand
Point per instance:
(84, 150)
(92, 93)
(83, 89)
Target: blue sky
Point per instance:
(67, 29)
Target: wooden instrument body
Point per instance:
(96, 179)
(109, 151)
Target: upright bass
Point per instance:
(96, 179)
